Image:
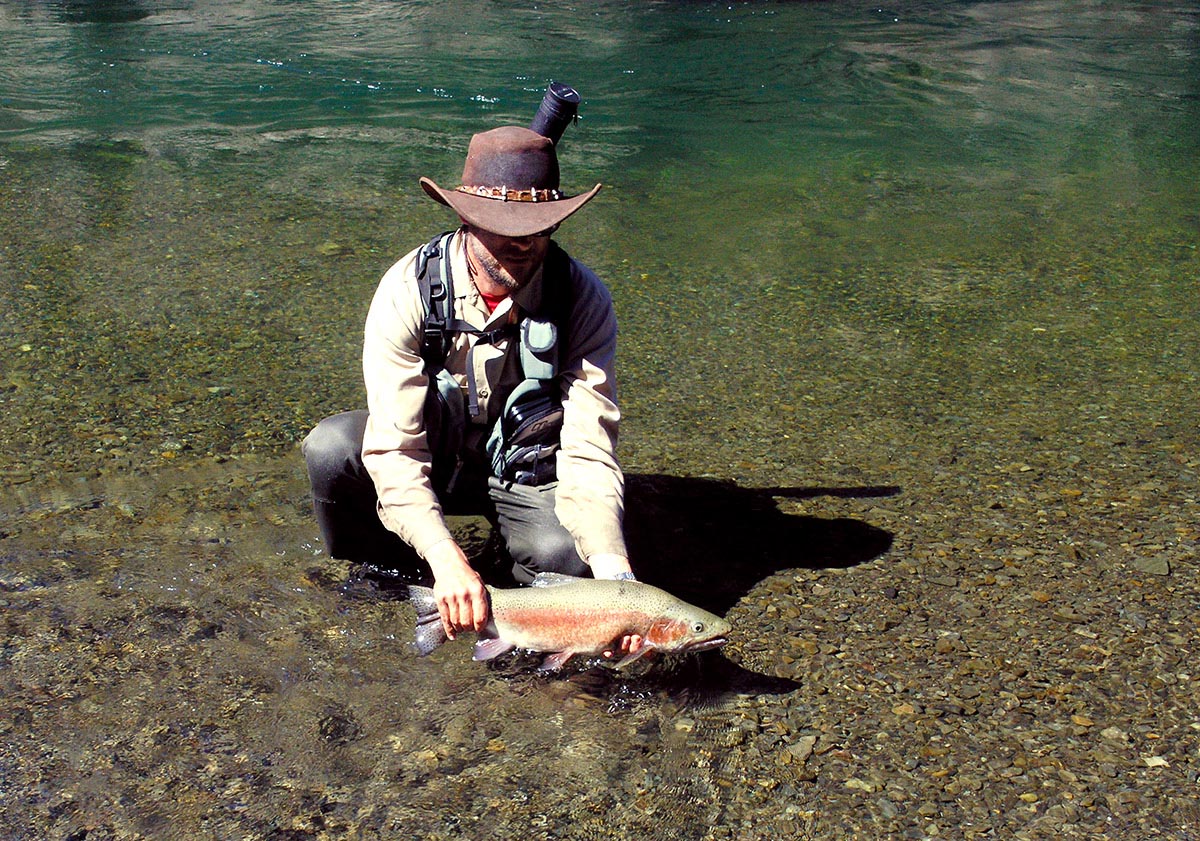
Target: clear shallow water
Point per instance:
(927, 247)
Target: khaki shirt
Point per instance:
(590, 493)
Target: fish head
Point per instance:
(688, 629)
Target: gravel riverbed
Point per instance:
(907, 662)
(955, 530)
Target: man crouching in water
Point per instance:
(489, 367)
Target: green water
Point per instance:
(854, 250)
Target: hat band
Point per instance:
(505, 194)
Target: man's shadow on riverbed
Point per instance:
(710, 542)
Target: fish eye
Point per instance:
(698, 627)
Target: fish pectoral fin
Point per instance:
(487, 649)
(556, 661)
(646, 648)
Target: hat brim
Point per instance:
(507, 218)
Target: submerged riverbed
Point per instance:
(908, 363)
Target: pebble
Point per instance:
(1154, 565)
(802, 748)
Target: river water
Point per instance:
(858, 253)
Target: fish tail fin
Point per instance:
(430, 633)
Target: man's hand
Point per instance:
(630, 644)
(616, 566)
(609, 566)
(462, 599)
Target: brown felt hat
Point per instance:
(510, 184)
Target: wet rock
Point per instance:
(1154, 565)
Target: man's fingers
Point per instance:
(461, 597)
(630, 644)
(479, 611)
(453, 613)
(447, 617)
(464, 611)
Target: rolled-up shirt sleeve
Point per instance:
(591, 488)
(395, 448)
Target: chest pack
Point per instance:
(522, 444)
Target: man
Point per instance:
(379, 490)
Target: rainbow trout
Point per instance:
(563, 616)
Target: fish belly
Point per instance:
(562, 628)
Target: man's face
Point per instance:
(509, 262)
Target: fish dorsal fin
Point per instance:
(553, 579)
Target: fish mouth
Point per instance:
(705, 645)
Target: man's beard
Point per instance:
(496, 272)
(493, 268)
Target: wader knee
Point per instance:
(344, 498)
(544, 550)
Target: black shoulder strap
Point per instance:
(436, 282)
(437, 294)
(558, 295)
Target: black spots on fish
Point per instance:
(430, 633)
(423, 600)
